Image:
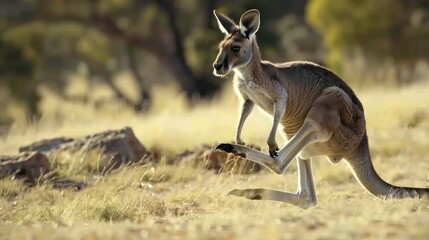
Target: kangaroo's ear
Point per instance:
(226, 25)
(249, 23)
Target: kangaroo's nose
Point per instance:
(217, 65)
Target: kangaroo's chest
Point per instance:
(257, 94)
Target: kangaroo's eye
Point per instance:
(235, 48)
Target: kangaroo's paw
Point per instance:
(273, 149)
(249, 193)
(274, 153)
(231, 148)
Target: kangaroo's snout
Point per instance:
(218, 65)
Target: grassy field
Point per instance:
(159, 201)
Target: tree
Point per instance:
(17, 74)
(55, 30)
(387, 30)
(55, 37)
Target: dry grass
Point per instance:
(159, 201)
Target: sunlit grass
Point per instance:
(158, 200)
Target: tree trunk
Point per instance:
(145, 97)
(181, 69)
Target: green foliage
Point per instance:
(386, 29)
(54, 38)
(17, 76)
(200, 52)
(49, 39)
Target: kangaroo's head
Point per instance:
(235, 50)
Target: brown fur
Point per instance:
(307, 94)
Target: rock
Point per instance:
(218, 161)
(29, 166)
(119, 147)
(70, 184)
(46, 145)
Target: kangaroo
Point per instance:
(319, 112)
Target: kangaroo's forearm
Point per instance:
(278, 111)
(245, 111)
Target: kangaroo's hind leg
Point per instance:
(305, 196)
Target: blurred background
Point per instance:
(100, 53)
